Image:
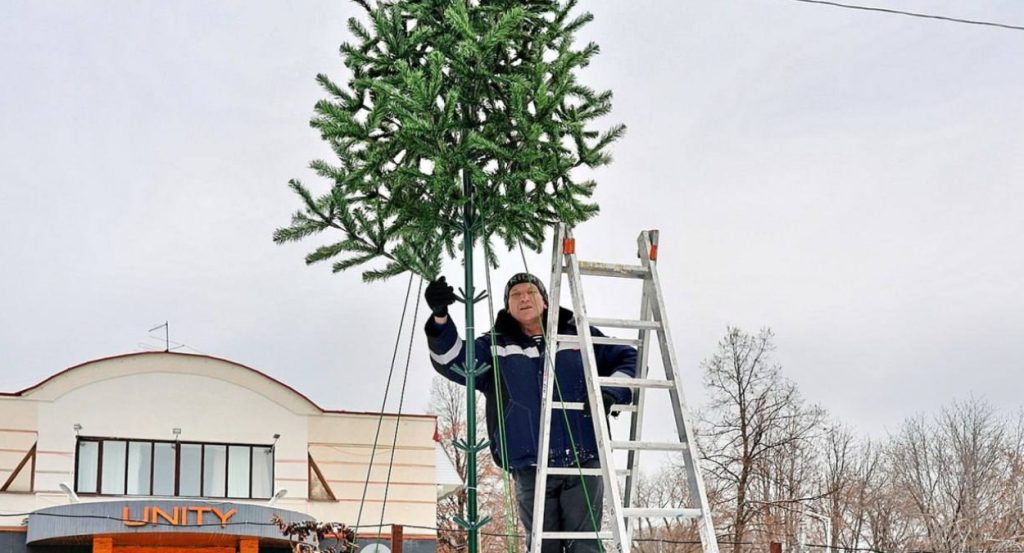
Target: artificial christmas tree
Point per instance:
(461, 121)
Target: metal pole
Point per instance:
(802, 536)
(468, 216)
(828, 528)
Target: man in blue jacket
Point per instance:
(519, 349)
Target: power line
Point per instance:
(455, 530)
(914, 14)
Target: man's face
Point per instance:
(525, 303)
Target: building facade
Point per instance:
(174, 453)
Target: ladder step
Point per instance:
(578, 406)
(651, 446)
(575, 535)
(620, 382)
(573, 471)
(645, 512)
(600, 340)
(625, 323)
(594, 268)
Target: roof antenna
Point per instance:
(167, 335)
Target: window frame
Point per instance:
(176, 444)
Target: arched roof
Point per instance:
(130, 364)
(177, 363)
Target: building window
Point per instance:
(262, 471)
(215, 464)
(87, 466)
(140, 468)
(239, 470)
(189, 469)
(109, 466)
(165, 457)
(113, 458)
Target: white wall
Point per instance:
(150, 405)
(145, 396)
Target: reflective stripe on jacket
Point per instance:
(520, 364)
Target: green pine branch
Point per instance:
(445, 88)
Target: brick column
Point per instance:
(248, 545)
(396, 538)
(102, 544)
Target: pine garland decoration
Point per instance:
(446, 88)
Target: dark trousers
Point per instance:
(565, 508)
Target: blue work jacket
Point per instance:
(519, 367)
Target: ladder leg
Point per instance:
(547, 392)
(685, 430)
(590, 372)
(637, 420)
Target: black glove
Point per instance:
(439, 296)
(607, 399)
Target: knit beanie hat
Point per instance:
(520, 278)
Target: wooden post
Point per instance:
(102, 544)
(775, 547)
(396, 538)
(248, 545)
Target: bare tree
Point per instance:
(837, 484)
(953, 482)
(1009, 526)
(957, 472)
(495, 490)
(855, 495)
(448, 403)
(757, 429)
(887, 526)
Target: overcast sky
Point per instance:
(852, 180)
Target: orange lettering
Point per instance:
(199, 513)
(159, 513)
(178, 516)
(224, 517)
(127, 517)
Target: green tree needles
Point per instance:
(447, 96)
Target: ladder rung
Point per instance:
(653, 446)
(578, 406)
(620, 382)
(594, 268)
(573, 471)
(645, 512)
(575, 535)
(625, 323)
(601, 340)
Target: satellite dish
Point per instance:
(375, 548)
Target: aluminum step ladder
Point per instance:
(620, 503)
